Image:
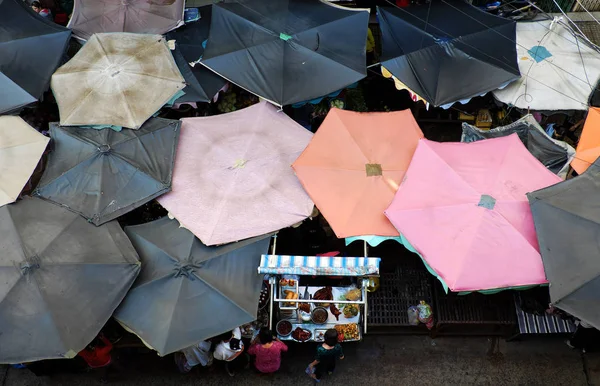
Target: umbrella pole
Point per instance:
(272, 285)
(364, 286)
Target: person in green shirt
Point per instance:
(327, 353)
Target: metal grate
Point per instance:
(397, 291)
(591, 29)
(474, 308)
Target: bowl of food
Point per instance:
(319, 315)
(283, 328)
(301, 335)
(304, 316)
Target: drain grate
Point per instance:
(474, 308)
(397, 291)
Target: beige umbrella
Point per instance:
(118, 79)
(21, 148)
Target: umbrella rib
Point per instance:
(129, 110)
(143, 51)
(221, 293)
(233, 181)
(102, 15)
(341, 121)
(75, 218)
(33, 142)
(41, 186)
(151, 76)
(156, 14)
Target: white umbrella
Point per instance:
(21, 148)
(118, 79)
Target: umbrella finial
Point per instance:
(187, 269)
(27, 267)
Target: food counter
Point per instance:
(348, 323)
(298, 306)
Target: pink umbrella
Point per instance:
(462, 206)
(233, 177)
(137, 16)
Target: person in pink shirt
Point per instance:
(267, 351)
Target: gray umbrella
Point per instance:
(188, 292)
(103, 174)
(61, 278)
(567, 221)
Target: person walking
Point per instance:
(229, 349)
(198, 354)
(267, 351)
(327, 353)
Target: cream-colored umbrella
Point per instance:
(118, 79)
(21, 148)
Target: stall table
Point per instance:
(338, 294)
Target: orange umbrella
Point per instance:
(588, 148)
(353, 166)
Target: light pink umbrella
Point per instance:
(462, 206)
(233, 177)
(137, 16)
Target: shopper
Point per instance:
(43, 12)
(97, 355)
(327, 353)
(198, 354)
(229, 349)
(267, 351)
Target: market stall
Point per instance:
(305, 312)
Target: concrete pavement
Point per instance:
(378, 360)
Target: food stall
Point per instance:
(305, 312)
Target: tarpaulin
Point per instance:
(554, 154)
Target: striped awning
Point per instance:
(541, 324)
(319, 265)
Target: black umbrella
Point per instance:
(102, 174)
(202, 84)
(61, 278)
(448, 50)
(567, 222)
(287, 51)
(31, 48)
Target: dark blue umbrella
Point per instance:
(190, 39)
(31, 48)
(188, 292)
(448, 50)
(287, 51)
